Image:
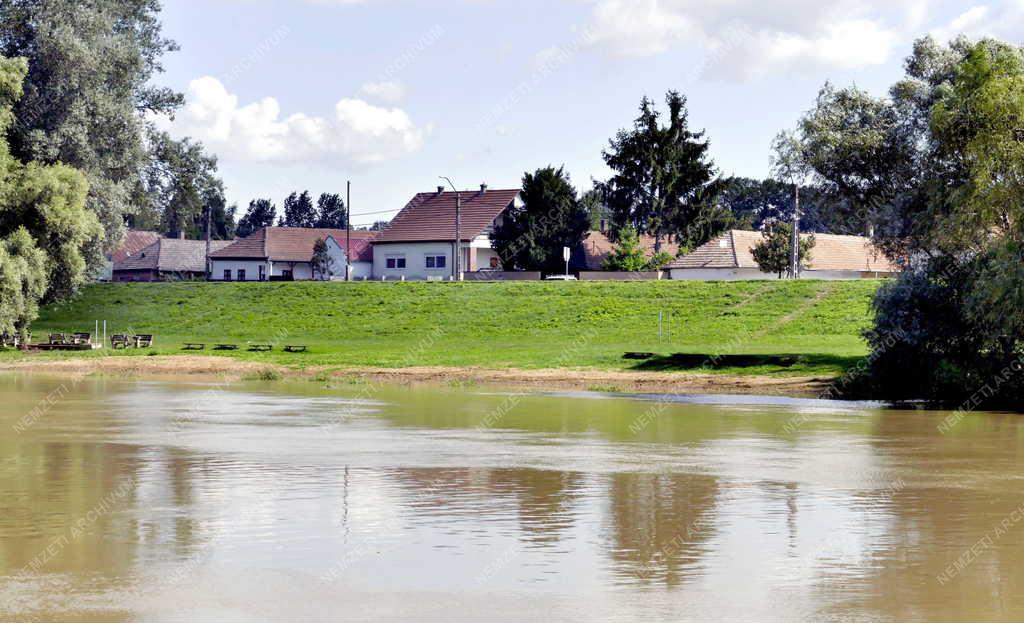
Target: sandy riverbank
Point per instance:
(549, 379)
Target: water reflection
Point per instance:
(191, 502)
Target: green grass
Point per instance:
(522, 325)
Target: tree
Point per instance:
(531, 237)
(664, 182)
(298, 211)
(261, 213)
(322, 261)
(330, 212)
(46, 232)
(87, 93)
(774, 253)
(628, 254)
(593, 202)
(181, 187)
(789, 165)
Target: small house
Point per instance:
(286, 254)
(834, 257)
(167, 259)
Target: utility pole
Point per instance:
(348, 229)
(458, 230)
(794, 252)
(209, 270)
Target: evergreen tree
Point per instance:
(330, 211)
(531, 237)
(298, 211)
(261, 213)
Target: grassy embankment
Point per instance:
(492, 325)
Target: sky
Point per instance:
(296, 95)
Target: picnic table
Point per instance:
(225, 347)
(295, 348)
(81, 338)
(260, 348)
(143, 340)
(194, 346)
(119, 340)
(58, 338)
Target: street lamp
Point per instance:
(458, 229)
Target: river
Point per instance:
(155, 501)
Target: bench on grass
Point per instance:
(261, 348)
(58, 338)
(143, 341)
(119, 340)
(193, 346)
(225, 347)
(81, 338)
(295, 348)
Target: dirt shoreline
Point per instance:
(220, 368)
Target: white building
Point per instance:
(730, 257)
(286, 253)
(419, 243)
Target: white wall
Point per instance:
(751, 274)
(251, 268)
(415, 260)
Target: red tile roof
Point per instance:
(733, 249)
(294, 244)
(431, 216)
(134, 241)
(597, 247)
(171, 255)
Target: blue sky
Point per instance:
(306, 94)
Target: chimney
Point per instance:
(483, 188)
(440, 190)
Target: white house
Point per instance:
(729, 257)
(286, 253)
(419, 243)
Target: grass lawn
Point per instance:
(518, 324)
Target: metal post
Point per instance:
(659, 324)
(458, 236)
(209, 266)
(348, 229)
(794, 252)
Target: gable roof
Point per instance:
(733, 249)
(294, 244)
(597, 247)
(134, 241)
(431, 216)
(172, 255)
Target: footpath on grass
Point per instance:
(771, 337)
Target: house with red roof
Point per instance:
(286, 254)
(419, 243)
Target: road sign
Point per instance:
(565, 253)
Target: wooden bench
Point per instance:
(119, 340)
(143, 341)
(225, 347)
(194, 346)
(261, 348)
(81, 338)
(295, 348)
(58, 338)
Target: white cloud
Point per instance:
(357, 133)
(1005, 20)
(388, 91)
(745, 38)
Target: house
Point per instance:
(419, 243)
(167, 259)
(134, 241)
(286, 254)
(597, 246)
(730, 257)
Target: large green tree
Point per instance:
(330, 211)
(531, 237)
(46, 233)
(299, 211)
(261, 213)
(87, 92)
(665, 183)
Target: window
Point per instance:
(287, 275)
(396, 262)
(437, 261)
(227, 274)
(241, 274)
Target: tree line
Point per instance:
(299, 211)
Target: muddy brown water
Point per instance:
(141, 501)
